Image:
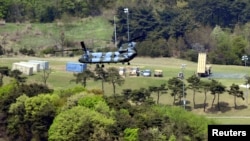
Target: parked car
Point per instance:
(135, 71)
(158, 73)
(146, 73)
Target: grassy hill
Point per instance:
(94, 31)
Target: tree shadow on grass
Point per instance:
(240, 107)
(224, 107)
(201, 105)
(187, 105)
(188, 108)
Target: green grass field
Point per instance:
(60, 79)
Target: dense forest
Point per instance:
(178, 28)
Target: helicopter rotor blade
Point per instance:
(133, 39)
(138, 37)
(67, 50)
(75, 49)
(85, 49)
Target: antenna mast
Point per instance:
(115, 30)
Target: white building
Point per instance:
(24, 68)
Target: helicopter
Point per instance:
(122, 55)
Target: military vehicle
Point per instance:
(134, 71)
(158, 73)
(203, 70)
(146, 73)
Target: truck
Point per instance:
(203, 70)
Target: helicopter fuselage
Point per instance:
(107, 57)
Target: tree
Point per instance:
(62, 42)
(8, 95)
(225, 13)
(72, 101)
(176, 87)
(247, 79)
(90, 101)
(4, 8)
(127, 93)
(236, 92)
(49, 14)
(223, 52)
(45, 75)
(194, 84)
(114, 78)
(33, 116)
(160, 89)
(217, 88)
(16, 124)
(3, 42)
(143, 19)
(140, 96)
(101, 74)
(34, 89)
(131, 134)
(83, 77)
(4, 71)
(239, 44)
(1, 50)
(1, 79)
(77, 123)
(17, 74)
(175, 22)
(205, 86)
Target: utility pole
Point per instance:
(126, 11)
(244, 58)
(115, 31)
(183, 86)
(247, 78)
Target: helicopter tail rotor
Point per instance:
(83, 47)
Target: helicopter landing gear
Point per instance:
(98, 66)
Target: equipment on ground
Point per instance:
(158, 73)
(203, 70)
(146, 73)
(134, 71)
(122, 71)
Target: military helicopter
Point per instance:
(122, 55)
